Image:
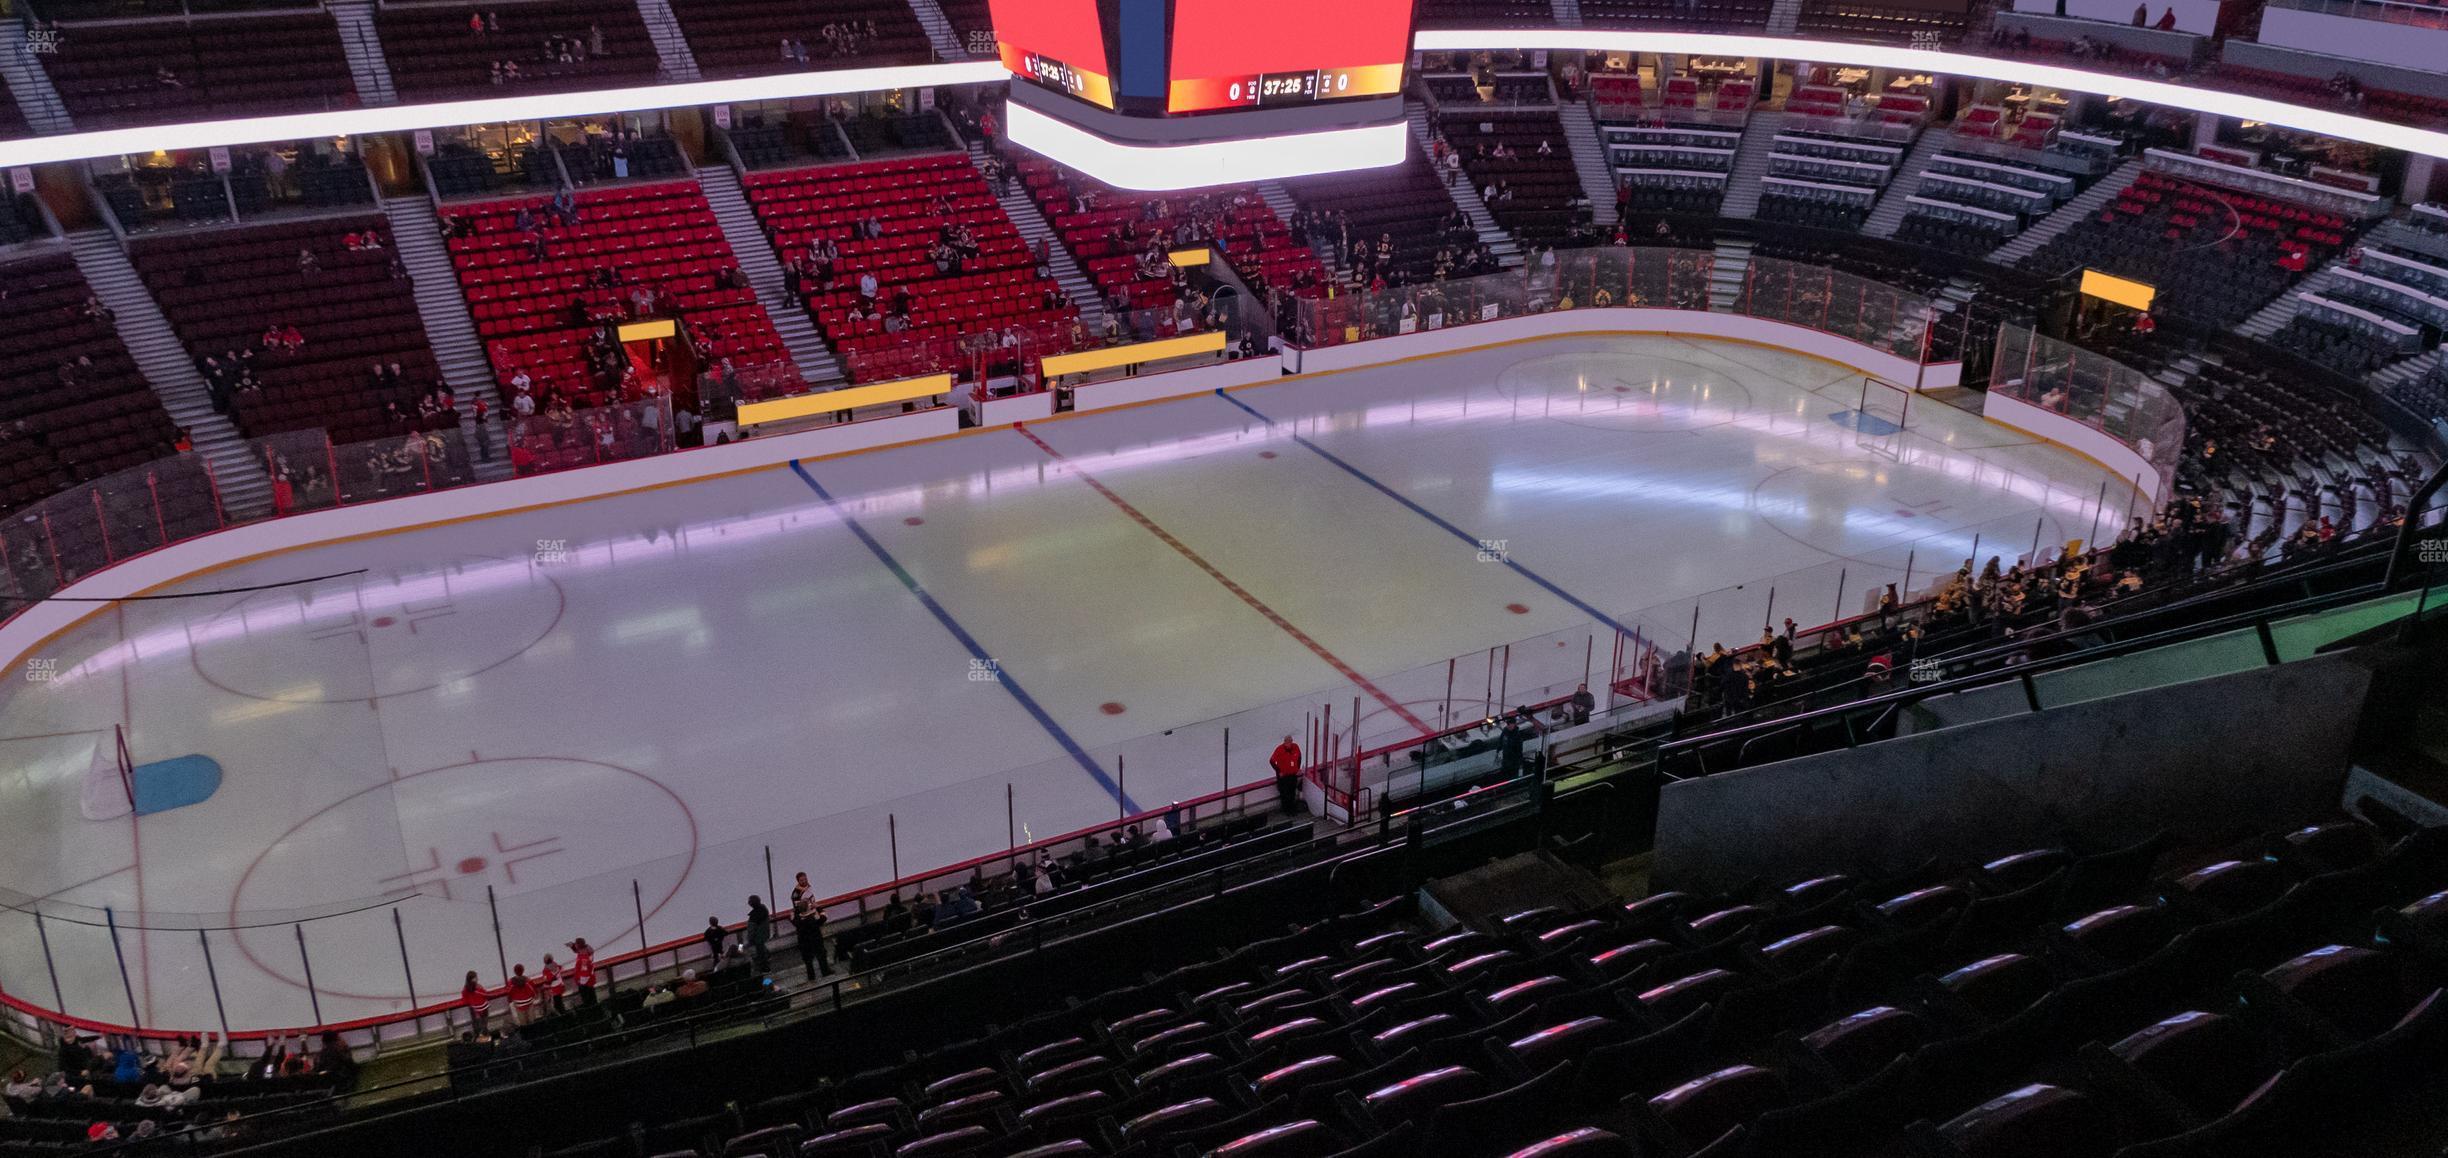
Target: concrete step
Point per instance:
(1031, 221)
(1728, 272)
(31, 87)
(1894, 202)
(940, 33)
(1498, 240)
(1784, 17)
(367, 65)
(671, 47)
(1590, 160)
(2083, 207)
(417, 237)
(246, 491)
(2271, 318)
(1750, 164)
(757, 259)
(1567, 12)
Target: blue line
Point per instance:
(1432, 517)
(1003, 678)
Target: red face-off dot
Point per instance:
(1517, 609)
(384, 621)
(470, 866)
(1266, 454)
(1111, 709)
(913, 521)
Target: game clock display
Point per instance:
(1274, 89)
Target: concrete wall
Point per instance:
(2355, 39)
(2210, 760)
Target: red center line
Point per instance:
(1255, 604)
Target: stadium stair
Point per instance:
(1589, 156)
(1895, 200)
(764, 269)
(1036, 230)
(1750, 164)
(1727, 272)
(417, 237)
(1508, 252)
(2271, 318)
(365, 56)
(939, 30)
(1567, 13)
(1784, 17)
(28, 83)
(663, 27)
(246, 491)
(2067, 216)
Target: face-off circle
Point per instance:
(438, 839)
(1597, 388)
(376, 635)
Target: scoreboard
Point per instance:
(1243, 53)
(1158, 93)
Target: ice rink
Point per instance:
(904, 658)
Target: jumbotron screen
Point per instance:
(1058, 43)
(1260, 53)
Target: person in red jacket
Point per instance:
(473, 996)
(582, 971)
(522, 993)
(548, 983)
(1287, 765)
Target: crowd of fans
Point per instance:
(110, 1089)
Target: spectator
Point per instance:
(759, 932)
(1286, 761)
(582, 961)
(1583, 703)
(714, 937)
(691, 985)
(548, 983)
(657, 997)
(807, 927)
(522, 993)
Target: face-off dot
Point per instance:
(1517, 608)
(913, 521)
(1111, 709)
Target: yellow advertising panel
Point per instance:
(2110, 288)
(647, 331)
(1110, 356)
(847, 398)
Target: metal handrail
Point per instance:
(2024, 672)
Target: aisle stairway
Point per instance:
(1036, 231)
(28, 83)
(1784, 17)
(763, 266)
(1567, 12)
(1508, 252)
(364, 48)
(2082, 208)
(417, 237)
(1727, 273)
(1750, 164)
(1590, 160)
(1895, 200)
(940, 33)
(2273, 317)
(246, 491)
(670, 45)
